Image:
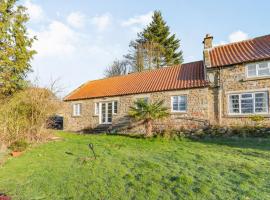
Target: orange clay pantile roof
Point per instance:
(240, 52)
(189, 75)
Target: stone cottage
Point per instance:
(229, 85)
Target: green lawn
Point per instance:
(130, 168)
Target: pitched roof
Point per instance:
(240, 52)
(189, 75)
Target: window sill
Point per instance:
(178, 112)
(246, 116)
(255, 78)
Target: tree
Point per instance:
(119, 67)
(145, 56)
(15, 47)
(156, 40)
(148, 112)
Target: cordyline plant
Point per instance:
(148, 113)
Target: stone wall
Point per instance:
(233, 79)
(204, 105)
(196, 115)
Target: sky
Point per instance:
(79, 39)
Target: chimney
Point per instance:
(208, 40)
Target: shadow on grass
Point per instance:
(134, 136)
(245, 143)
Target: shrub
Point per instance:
(23, 116)
(256, 119)
(18, 146)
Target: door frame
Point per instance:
(106, 112)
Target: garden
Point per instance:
(139, 168)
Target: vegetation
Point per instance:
(23, 116)
(134, 168)
(119, 67)
(148, 112)
(155, 46)
(256, 119)
(19, 146)
(16, 53)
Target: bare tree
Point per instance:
(118, 67)
(145, 56)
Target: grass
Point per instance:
(130, 168)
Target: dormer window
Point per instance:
(260, 69)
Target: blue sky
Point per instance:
(78, 39)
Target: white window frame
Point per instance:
(179, 111)
(254, 102)
(257, 69)
(97, 108)
(76, 109)
(117, 110)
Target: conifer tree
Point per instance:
(157, 41)
(15, 47)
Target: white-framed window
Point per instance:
(96, 108)
(248, 103)
(179, 103)
(115, 107)
(77, 108)
(260, 69)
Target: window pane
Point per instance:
(234, 104)
(175, 106)
(261, 102)
(110, 112)
(115, 108)
(263, 69)
(245, 96)
(247, 103)
(76, 109)
(179, 103)
(252, 70)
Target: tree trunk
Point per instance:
(148, 128)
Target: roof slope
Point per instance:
(189, 75)
(240, 52)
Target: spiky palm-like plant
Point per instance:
(148, 112)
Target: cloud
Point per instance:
(238, 36)
(234, 37)
(101, 21)
(139, 20)
(35, 11)
(57, 39)
(76, 20)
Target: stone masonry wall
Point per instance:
(196, 115)
(233, 79)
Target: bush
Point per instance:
(218, 131)
(18, 146)
(23, 116)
